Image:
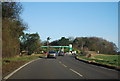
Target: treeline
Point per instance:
(61, 42)
(87, 43)
(95, 44)
(14, 40)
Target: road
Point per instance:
(64, 67)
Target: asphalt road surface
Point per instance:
(64, 67)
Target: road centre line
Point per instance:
(64, 65)
(76, 72)
(71, 69)
(59, 61)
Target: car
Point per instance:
(67, 53)
(61, 53)
(51, 54)
(45, 53)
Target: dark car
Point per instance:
(61, 53)
(52, 54)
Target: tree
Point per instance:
(30, 43)
(12, 28)
(44, 43)
(54, 43)
(71, 39)
(11, 10)
(63, 41)
(48, 38)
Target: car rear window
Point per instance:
(52, 52)
(61, 52)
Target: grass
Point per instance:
(25, 58)
(12, 63)
(111, 60)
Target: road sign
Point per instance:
(70, 46)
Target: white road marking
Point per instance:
(59, 61)
(64, 65)
(107, 68)
(19, 69)
(100, 67)
(103, 67)
(76, 72)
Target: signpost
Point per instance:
(70, 46)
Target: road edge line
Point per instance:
(9, 75)
(99, 64)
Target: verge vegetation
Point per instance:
(9, 64)
(109, 60)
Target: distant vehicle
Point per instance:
(61, 53)
(67, 53)
(51, 54)
(73, 52)
(45, 53)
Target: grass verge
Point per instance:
(109, 60)
(12, 63)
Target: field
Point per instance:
(111, 60)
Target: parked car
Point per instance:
(52, 54)
(61, 53)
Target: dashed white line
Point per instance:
(59, 61)
(71, 69)
(76, 72)
(64, 65)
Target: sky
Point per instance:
(72, 19)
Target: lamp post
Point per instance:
(48, 38)
(70, 48)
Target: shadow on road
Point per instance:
(46, 57)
